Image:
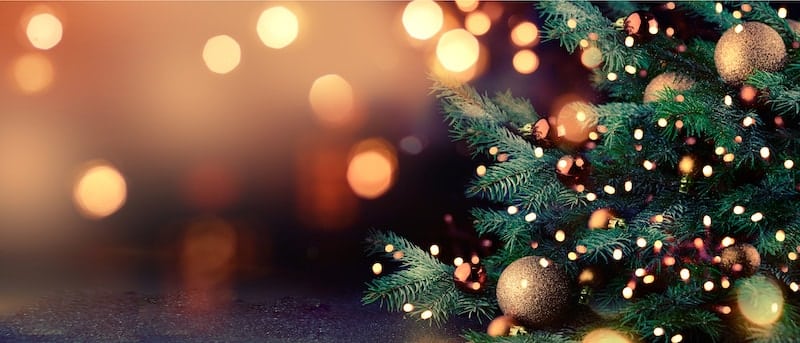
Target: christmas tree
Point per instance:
(676, 219)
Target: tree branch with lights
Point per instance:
(676, 219)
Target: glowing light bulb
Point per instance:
(630, 69)
(676, 339)
(572, 256)
(639, 272)
(708, 286)
(611, 76)
(738, 209)
(427, 314)
(706, 221)
(738, 29)
(617, 255)
(467, 5)
(780, 236)
(457, 50)
(648, 165)
(782, 12)
(591, 57)
(480, 170)
(609, 189)
(747, 121)
(538, 152)
(99, 191)
(544, 262)
(648, 279)
(434, 250)
(662, 122)
(388, 248)
(524, 34)
(458, 261)
(729, 157)
(422, 19)
(628, 186)
(478, 23)
(638, 134)
(377, 268)
(788, 164)
(708, 171)
(728, 241)
(408, 307)
(725, 283)
(572, 23)
(530, 217)
(658, 331)
(560, 236)
(525, 61)
(685, 274)
(794, 286)
(222, 54)
(728, 100)
(641, 242)
(591, 196)
(629, 41)
(627, 293)
(512, 210)
(756, 217)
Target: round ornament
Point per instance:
(664, 81)
(501, 326)
(470, 277)
(641, 25)
(746, 48)
(740, 259)
(533, 290)
(601, 219)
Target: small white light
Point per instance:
(788, 164)
(627, 293)
(388, 248)
(591, 196)
(706, 221)
(780, 236)
(538, 152)
(718, 7)
(544, 262)
(572, 256)
(725, 283)
(737, 14)
(408, 307)
(427, 314)
(676, 339)
(792, 255)
(738, 209)
(512, 210)
(708, 171)
(738, 29)
(747, 121)
(638, 134)
(434, 250)
(628, 186)
(572, 23)
(729, 157)
(728, 100)
(611, 76)
(662, 122)
(794, 287)
(458, 261)
(629, 41)
(648, 165)
(609, 189)
(708, 286)
(639, 272)
(481, 170)
(530, 217)
(728, 241)
(617, 255)
(653, 30)
(641, 242)
(560, 236)
(782, 12)
(377, 268)
(658, 332)
(719, 150)
(685, 274)
(648, 279)
(756, 217)
(630, 69)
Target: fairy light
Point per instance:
(719, 150)
(534, 245)
(641, 242)
(388, 248)
(794, 286)
(377, 268)
(544, 262)
(530, 217)
(512, 210)
(609, 189)
(708, 286)
(708, 171)
(572, 256)
(724, 309)
(653, 30)
(706, 221)
(434, 250)
(408, 307)
(782, 12)
(662, 122)
(658, 218)
(729, 157)
(738, 29)
(718, 7)
(685, 274)
(629, 41)
(780, 236)
(611, 76)
(584, 43)
(560, 236)
(658, 332)
(747, 7)
(792, 255)
(737, 139)
(628, 186)
(427, 314)
(572, 23)
(593, 135)
(648, 165)
(669, 31)
(538, 152)
(591, 196)
(639, 272)
(676, 339)
(581, 249)
(716, 259)
(788, 164)
(669, 261)
(638, 134)
(648, 279)
(698, 243)
(756, 217)
(657, 246)
(738, 209)
(679, 98)
(627, 292)
(728, 241)
(458, 261)
(481, 170)
(630, 69)
(737, 14)
(493, 150)
(747, 121)
(579, 188)
(725, 283)
(728, 100)
(617, 255)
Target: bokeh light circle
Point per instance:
(372, 168)
(457, 50)
(33, 73)
(222, 54)
(100, 190)
(422, 19)
(525, 61)
(44, 31)
(331, 98)
(277, 27)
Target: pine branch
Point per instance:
(531, 337)
(707, 11)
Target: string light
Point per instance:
(782, 12)
(591, 196)
(630, 69)
(434, 250)
(725, 283)
(617, 255)
(638, 134)
(792, 255)
(669, 261)
(728, 100)
(458, 261)
(719, 150)
(427, 314)
(629, 41)
(729, 157)
(572, 23)
(609, 189)
(639, 272)
(408, 307)
(728, 241)
(706, 221)
(756, 217)
(708, 171)
(512, 210)
(538, 152)
(788, 164)
(736, 14)
(658, 331)
(481, 170)
(388, 248)
(560, 236)
(662, 122)
(628, 186)
(676, 339)
(648, 279)
(708, 286)
(544, 262)
(641, 242)
(738, 209)
(794, 287)
(377, 268)
(739, 28)
(685, 274)
(612, 76)
(572, 256)
(627, 292)
(657, 246)
(398, 255)
(648, 165)
(780, 236)
(747, 121)
(670, 32)
(718, 7)
(530, 217)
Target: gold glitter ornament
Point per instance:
(744, 49)
(531, 293)
(664, 81)
(740, 259)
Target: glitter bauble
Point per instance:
(740, 259)
(470, 277)
(531, 293)
(666, 80)
(501, 326)
(756, 46)
(641, 25)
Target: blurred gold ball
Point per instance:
(740, 259)
(501, 326)
(600, 218)
(604, 335)
(756, 47)
(664, 81)
(534, 291)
